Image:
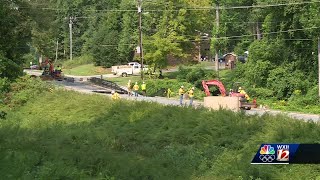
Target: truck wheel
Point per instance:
(124, 74)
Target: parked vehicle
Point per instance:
(132, 68)
(34, 66)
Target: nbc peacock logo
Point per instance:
(267, 149)
(267, 154)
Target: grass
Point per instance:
(92, 137)
(289, 106)
(122, 81)
(87, 70)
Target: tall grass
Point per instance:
(68, 135)
(78, 61)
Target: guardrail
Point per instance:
(107, 84)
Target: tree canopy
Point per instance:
(274, 32)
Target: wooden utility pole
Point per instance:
(216, 49)
(140, 35)
(319, 65)
(70, 29)
(258, 31)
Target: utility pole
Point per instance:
(319, 65)
(258, 31)
(216, 49)
(140, 35)
(70, 29)
(199, 48)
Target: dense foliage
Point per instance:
(14, 35)
(91, 137)
(281, 39)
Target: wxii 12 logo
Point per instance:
(283, 153)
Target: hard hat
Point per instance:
(192, 88)
(112, 92)
(182, 86)
(240, 88)
(136, 82)
(143, 83)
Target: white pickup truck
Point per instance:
(132, 68)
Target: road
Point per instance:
(86, 87)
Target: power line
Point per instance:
(291, 30)
(205, 8)
(232, 37)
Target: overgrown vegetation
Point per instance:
(92, 137)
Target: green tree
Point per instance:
(15, 35)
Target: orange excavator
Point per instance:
(49, 73)
(244, 104)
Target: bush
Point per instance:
(260, 92)
(195, 75)
(159, 87)
(4, 85)
(310, 98)
(78, 61)
(284, 80)
(25, 89)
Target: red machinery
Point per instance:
(244, 103)
(222, 90)
(49, 73)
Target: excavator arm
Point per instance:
(217, 83)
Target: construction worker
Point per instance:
(129, 86)
(144, 88)
(59, 69)
(115, 95)
(169, 93)
(242, 91)
(191, 95)
(136, 89)
(230, 92)
(181, 93)
(239, 89)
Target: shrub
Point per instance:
(310, 98)
(25, 89)
(284, 80)
(82, 60)
(160, 86)
(260, 92)
(195, 75)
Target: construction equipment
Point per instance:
(244, 104)
(49, 73)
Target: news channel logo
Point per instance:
(272, 154)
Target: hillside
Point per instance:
(60, 134)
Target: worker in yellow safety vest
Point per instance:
(242, 91)
(129, 86)
(169, 92)
(181, 93)
(191, 95)
(136, 89)
(144, 88)
(115, 95)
